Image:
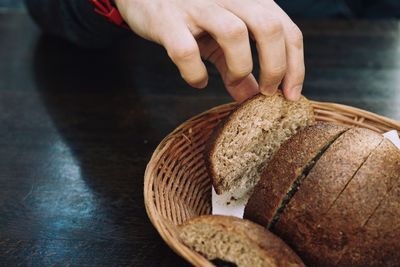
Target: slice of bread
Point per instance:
(237, 241)
(287, 167)
(240, 146)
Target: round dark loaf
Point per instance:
(376, 241)
(286, 167)
(343, 209)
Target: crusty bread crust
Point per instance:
(376, 243)
(266, 243)
(346, 212)
(300, 222)
(372, 201)
(361, 228)
(287, 165)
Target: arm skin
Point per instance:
(192, 31)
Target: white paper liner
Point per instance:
(226, 204)
(393, 136)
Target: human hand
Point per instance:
(218, 31)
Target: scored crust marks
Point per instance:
(330, 177)
(286, 167)
(362, 241)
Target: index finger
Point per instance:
(268, 34)
(230, 32)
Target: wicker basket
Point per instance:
(176, 184)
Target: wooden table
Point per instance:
(77, 128)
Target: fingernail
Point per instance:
(269, 90)
(295, 93)
(201, 84)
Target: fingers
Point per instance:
(183, 50)
(270, 43)
(164, 23)
(294, 77)
(241, 89)
(186, 56)
(232, 36)
(244, 89)
(268, 33)
(279, 44)
(175, 23)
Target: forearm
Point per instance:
(74, 20)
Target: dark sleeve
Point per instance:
(76, 21)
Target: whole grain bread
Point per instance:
(237, 241)
(249, 136)
(331, 218)
(287, 166)
(361, 228)
(301, 222)
(328, 178)
(376, 243)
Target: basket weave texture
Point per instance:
(176, 183)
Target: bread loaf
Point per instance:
(286, 169)
(376, 232)
(249, 137)
(237, 241)
(342, 207)
(343, 232)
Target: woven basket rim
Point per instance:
(167, 230)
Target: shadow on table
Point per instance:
(101, 119)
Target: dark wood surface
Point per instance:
(77, 128)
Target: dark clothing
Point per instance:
(76, 21)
